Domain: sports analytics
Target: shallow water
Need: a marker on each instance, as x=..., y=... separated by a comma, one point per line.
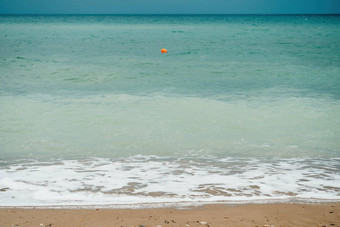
x=235, y=97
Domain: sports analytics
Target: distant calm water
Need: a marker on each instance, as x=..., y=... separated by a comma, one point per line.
x=241, y=108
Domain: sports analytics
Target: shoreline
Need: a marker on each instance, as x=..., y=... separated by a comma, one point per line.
x=262, y=215
x=176, y=205
x=145, y=180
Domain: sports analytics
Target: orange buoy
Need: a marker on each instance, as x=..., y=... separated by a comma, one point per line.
x=164, y=51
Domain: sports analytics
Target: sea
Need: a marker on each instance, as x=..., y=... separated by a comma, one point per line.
x=241, y=109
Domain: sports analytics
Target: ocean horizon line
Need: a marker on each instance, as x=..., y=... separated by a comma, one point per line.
x=168, y=14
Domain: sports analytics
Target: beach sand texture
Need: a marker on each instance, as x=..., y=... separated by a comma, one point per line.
x=262, y=215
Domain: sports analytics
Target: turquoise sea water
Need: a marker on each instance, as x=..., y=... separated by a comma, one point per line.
x=241, y=108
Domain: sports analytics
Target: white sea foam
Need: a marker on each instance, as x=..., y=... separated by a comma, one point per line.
x=152, y=179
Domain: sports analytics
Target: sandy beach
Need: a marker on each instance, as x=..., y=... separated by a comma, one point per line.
x=262, y=215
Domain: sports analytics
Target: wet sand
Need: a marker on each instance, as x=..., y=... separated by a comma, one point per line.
x=261, y=215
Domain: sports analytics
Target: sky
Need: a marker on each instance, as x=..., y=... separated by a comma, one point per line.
x=169, y=6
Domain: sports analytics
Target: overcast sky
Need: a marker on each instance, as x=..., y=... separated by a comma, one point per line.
x=169, y=6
